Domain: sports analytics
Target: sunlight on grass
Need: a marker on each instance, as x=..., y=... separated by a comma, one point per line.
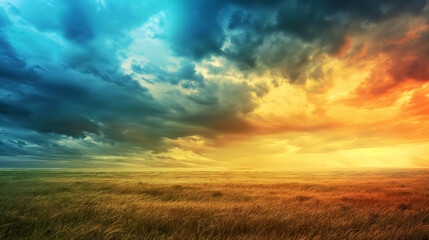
x=65, y=204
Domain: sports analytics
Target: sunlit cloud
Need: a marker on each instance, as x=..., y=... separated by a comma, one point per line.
x=192, y=84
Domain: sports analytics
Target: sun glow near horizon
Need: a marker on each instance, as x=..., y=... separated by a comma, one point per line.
x=219, y=84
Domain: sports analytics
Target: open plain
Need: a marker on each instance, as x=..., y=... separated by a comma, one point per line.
x=73, y=204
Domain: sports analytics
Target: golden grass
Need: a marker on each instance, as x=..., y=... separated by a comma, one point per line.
x=65, y=204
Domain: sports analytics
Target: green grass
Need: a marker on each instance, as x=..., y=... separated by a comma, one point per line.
x=66, y=204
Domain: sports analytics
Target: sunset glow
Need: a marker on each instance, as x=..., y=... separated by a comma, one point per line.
x=214, y=84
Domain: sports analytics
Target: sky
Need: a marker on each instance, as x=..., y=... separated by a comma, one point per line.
x=259, y=84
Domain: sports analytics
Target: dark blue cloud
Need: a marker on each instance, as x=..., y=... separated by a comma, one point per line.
x=77, y=21
x=197, y=29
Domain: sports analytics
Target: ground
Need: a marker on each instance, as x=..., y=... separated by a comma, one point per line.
x=84, y=204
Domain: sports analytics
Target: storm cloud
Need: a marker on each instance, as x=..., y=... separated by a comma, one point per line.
x=81, y=79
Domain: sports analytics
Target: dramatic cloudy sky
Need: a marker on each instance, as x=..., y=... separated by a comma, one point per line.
x=214, y=83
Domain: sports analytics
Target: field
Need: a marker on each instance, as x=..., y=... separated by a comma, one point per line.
x=71, y=204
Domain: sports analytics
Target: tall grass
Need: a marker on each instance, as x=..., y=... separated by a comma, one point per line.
x=60, y=204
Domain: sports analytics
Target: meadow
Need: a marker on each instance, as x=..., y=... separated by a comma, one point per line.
x=74, y=204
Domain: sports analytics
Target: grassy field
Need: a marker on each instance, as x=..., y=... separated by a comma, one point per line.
x=67, y=204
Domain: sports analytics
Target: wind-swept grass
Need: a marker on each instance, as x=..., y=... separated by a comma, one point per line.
x=65, y=204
